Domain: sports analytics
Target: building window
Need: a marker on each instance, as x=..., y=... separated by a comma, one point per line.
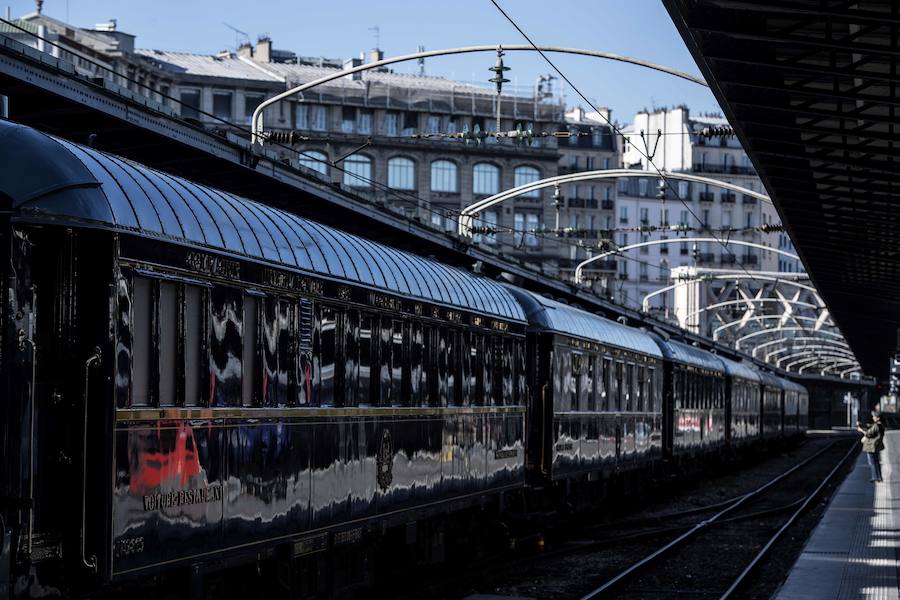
x=664, y=217
x=301, y=116
x=485, y=179
x=726, y=218
x=488, y=220
x=314, y=161
x=597, y=136
x=318, y=117
x=644, y=240
x=642, y=187
x=524, y=175
x=437, y=220
x=222, y=105
x=749, y=220
x=190, y=104
x=364, y=121
x=590, y=163
x=401, y=173
x=526, y=224
x=706, y=217
x=410, y=123
x=643, y=272
x=683, y=190
x=451, y=125
x=444, y=177
x=433, y=125
x=391, y=123
x=358, y=171
x=683, y=218
x=606, y=192
x=251, y=101
x=348, y=119
x=606, y=163
x=623, y=215
x=645, y=216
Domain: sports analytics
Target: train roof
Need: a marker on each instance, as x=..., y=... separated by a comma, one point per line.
x=771, y=379
x=549, y=315
x=51, y=179
x=793, y=385
x=739, y=369
x=690, y=355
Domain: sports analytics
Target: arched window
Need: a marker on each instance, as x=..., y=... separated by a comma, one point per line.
x=485, y=179
x=444, y=176
x=358, y=171
x=401, y=173
x=526, y=174
x=314, y=161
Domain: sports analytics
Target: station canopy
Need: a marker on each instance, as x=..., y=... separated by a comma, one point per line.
x=810, y=87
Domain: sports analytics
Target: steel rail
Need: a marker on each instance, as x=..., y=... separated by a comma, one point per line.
x=609, y=585
x=765, y=550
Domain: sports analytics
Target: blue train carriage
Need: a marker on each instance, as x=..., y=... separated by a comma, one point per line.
x=247, y=380
x=694, y=390
x=742, y=391
x=596, y=392
x=772, y=409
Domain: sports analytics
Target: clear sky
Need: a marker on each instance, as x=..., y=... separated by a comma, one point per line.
x=638, y=28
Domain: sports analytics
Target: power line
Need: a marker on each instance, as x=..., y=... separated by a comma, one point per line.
x=659, y=172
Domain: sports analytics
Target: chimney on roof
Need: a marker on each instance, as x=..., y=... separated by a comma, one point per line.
x=263, y=49
x=245, y=50
x=375, y=55
x=39, y=4
x=354, y=62
x=109, y=26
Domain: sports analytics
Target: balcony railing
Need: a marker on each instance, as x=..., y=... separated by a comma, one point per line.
x=707, y=196
x=728, y=259
x=583, y=202
x=729, y=170
x=749, y=259
x=706, y=257
x=607, y=204
x=745, y=199
x=729, y=197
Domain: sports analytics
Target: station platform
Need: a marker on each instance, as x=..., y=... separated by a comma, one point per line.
x=853, y=552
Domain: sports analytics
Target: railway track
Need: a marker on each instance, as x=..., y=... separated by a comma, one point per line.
x=715, y=556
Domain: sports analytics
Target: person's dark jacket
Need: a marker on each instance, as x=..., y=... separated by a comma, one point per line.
x=873, y=438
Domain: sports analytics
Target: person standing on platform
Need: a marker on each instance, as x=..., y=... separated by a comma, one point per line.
x=873, y=444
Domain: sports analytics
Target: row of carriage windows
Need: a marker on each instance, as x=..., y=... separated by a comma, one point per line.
x=592, y=383
x=697, y=390
x=181, y=344
x=358, y=172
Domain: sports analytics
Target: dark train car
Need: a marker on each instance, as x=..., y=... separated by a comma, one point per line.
x=192, y=377
x=596, y=392
x=694, y=405
x=772, y=408
x=742, y=393
x=795, y=408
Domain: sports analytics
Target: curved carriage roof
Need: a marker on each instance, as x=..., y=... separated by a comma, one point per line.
x=739, y=369
x=549, y=315
x=771, y=379
x=690, y=355
x=52, y=179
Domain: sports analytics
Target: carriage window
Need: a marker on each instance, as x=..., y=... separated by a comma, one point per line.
x=520, y=373
x=652, y=401
x=487, y=374
x=640, y=401
x=327, y=352
x=141, y=313
x=270, y=347
x=397, y=363
x=575, y=389
x=251, y=329
x=508, y=382
x=429, y=381
x=167, y=332
x=193, y=334
x=364, y=394
x=476, y=369
x=416, y=341
x=305, y=375
x=225, y=349
x=351, y=358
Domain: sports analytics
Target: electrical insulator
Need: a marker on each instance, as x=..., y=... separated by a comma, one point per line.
x=498, y=70
x=718, y=130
